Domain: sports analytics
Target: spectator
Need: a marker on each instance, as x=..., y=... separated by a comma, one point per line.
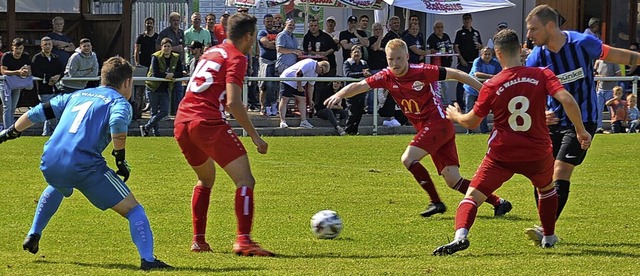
x=15, y=66
x=330, y=28
x=46, y=65
x=389, y=108
x=594, y=27
x=210, y=23
x=173, y=32
x=466, y=45
x=220, y=29
x=618, y=108
x=352, y=36
x=604, y=88
x=277, y=23
x=62, y=44
x=415, y=43
x=319, y=43
x=332, y=113
x=72, y=158
x=439, y=41
x=363, y=24
x=355, y=67
x=145, y=44
x=286, y=47
x=413, y=19
x=196, y=32
x=195, y=49
x=634, y=115
x=394, y=30
x=168, y=65
x=483, y=68
x=377, y=61
x=307, y=68
x=501, y=26
x=83, y=63
x=267, y=60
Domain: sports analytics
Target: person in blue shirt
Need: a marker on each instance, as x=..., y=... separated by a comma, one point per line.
x=72, y=158
x=570, y=55
x=483, y=68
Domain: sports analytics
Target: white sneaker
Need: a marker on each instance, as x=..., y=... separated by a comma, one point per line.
x=549, y=241
x=274, y=109
x=283, y=124
x=341, y=131
x=267, y=111
x=386, y=123
x=306, y=124
x=534, y=234
x=394, y=123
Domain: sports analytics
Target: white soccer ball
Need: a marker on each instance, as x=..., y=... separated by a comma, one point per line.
x=326, y=224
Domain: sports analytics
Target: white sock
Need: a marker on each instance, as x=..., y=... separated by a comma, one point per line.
x=461, y=234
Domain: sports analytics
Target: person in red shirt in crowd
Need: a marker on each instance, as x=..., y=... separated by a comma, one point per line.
x=520, y=141
x=205, y=138
x=408, y=84
x=220, y=29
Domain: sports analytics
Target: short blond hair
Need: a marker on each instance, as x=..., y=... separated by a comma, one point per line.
x=631, y=97
x=618, y=88
x=325, y=65
x=396, y=44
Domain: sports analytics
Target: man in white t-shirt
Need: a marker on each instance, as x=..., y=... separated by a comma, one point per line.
x=308, y=68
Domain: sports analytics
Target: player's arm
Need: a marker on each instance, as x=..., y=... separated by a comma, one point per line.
x=348, y=91
x=237, y=109
x=463, y=78
x=572, y=110
x=469, y=120
x=619, y=55
x=119, y=120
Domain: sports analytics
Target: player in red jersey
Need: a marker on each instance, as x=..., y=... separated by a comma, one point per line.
x=408, y=84
x=205, y=137
x=520, y=140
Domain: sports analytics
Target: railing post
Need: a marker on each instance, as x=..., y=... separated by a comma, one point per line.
x=245, y=101
x=634, y=85
x=375, y=111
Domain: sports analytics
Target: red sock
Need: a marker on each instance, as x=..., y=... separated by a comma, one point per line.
x=493, y=200
x=466, y=214
x=463, y=185
x=422, y=176
x=244, y=211
x=547, y=208
x=199, y=210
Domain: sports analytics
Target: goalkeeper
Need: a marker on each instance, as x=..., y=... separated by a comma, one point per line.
x=72, y=158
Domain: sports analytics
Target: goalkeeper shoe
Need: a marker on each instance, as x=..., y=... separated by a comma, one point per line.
x=31, y=243
x=156, y=264
x=452, y=247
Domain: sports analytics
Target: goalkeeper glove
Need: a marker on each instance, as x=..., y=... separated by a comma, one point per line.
x=9, y=134
x=124, y=169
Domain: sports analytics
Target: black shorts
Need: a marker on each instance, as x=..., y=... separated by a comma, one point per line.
x=566, y=147
x=288, y=91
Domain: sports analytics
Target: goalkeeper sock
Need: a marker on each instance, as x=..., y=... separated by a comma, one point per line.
x=141, y=232
x=48, y=204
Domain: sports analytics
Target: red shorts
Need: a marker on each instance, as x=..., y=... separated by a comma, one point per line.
x=439, y=140
x=201, y=140
x=492, y=173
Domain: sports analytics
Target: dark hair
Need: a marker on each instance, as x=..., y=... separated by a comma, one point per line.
x=17, y=42
x=166, y=40
x=239, y=25
x=115, y=71
x=507, y=42
x=150, y=18
x=85, y=40
x=544, y=13
x=364, y=16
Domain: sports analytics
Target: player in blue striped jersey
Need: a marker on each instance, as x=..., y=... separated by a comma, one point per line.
x=72, y=158
x=571, y=56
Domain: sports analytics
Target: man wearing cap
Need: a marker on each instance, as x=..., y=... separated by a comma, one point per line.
x=330, y=28
x=220, y=29
x=195, y=50
x=594, y=27
x=267, y=61
x=501, y=26
x=196, y=33
x=467, y=46
x=352, y=36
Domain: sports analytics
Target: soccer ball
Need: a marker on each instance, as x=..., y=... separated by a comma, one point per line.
x=326, y=224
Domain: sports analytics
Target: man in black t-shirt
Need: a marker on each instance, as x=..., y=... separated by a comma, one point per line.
x=352, y=36
x=145, y=44
x=317, y=42
x=439, y=41
x=467, y=45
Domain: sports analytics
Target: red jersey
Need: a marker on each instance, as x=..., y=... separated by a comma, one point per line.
x=518, y=98
x=219, y=32
x=206, y=96
x=413, y=93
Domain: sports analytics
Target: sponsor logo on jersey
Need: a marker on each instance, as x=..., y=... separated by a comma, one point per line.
x=571, y=76
x=418, y=85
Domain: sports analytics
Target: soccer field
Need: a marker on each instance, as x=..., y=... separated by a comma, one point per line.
x=361, y=178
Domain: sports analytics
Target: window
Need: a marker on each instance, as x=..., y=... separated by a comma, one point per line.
x=44, y=6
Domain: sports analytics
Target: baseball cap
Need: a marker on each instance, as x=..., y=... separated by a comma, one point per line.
x=195, y=45
x=594, y=20
x=226, y=13
x=503, y=25
x=466, y=15
x=331, y=18
x=352, y=19
x=267, y=15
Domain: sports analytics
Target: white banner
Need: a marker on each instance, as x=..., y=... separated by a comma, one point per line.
x=450, y=6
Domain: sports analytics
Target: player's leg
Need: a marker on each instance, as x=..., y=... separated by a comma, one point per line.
x=411, y=160
x=48, y=204
x=105, y=190
x=489, y=177
x=204, y=167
